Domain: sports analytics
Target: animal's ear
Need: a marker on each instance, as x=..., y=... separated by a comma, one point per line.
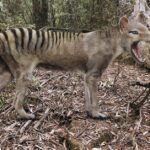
x=123, y=23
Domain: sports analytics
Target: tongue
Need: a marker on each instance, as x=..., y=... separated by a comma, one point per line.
x=138, y=54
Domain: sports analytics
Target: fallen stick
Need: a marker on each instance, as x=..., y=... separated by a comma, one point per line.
x=146, y=85
x=25, y=126
x=144, y=99
x=43, y=117
x=138, y=83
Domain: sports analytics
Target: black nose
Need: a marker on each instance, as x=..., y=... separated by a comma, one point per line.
x=148, y=26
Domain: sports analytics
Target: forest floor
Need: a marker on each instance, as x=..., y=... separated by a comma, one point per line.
x=57, y=99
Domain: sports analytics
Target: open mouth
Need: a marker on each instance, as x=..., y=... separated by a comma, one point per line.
x=136, y=52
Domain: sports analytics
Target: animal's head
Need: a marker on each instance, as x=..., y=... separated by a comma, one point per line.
x=132, y=33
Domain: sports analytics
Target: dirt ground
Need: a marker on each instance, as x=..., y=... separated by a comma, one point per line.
x=57, y=99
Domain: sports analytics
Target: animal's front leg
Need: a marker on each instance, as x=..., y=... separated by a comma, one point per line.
x=91, y=98
x=21, y=88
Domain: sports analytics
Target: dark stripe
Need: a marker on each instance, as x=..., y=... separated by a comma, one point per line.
x=2, y=51
x=43, y=39
x=30, y=37
x=78, y=34
x=9, y=49
x=63, y=35
x=108, y=34
x=67, y=35
x=55, y=37
x=48, y=41
x=37, y=40
x=6, y=37
x=52, y=36
x=70, y=35
x=22, y=37
x=16, y=37
x=59, y=38
x=74, y=34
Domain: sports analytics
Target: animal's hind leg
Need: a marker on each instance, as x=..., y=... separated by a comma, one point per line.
x=21, y=88
x=5, y=74
x=5, y=78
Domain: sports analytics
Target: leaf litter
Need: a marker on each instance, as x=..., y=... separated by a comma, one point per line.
x=57, y=99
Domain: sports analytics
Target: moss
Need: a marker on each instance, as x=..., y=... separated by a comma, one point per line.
x=2, y=101
x=105, y=136
x=72, y=144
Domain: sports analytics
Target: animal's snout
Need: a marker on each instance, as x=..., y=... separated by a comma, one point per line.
x=148, y=26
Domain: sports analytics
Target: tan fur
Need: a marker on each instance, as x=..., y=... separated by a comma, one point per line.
x=89, y=52
x=5, y=75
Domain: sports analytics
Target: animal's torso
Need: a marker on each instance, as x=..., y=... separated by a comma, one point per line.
x=61, y=49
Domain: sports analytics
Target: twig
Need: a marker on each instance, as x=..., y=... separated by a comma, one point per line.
x=10, y=128
x=80, y=133
x=138, y=105
x=144, y=99
x=146, y=85
x=139, y=96
x=25, y=126
x=28, y=122
x=43, y=117
x=116, y=76
x=9, y=109
x=128, y=106
x=138, y=124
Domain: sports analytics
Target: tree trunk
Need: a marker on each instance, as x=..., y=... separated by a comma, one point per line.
x=52, y=14
x=70, y=17
x=92, y=13
x=40, y=13
x=148, y=2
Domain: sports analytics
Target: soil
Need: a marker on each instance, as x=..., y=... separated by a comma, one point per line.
x=57, y=99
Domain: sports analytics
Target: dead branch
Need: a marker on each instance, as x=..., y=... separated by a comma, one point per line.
x=43, y=117
x=80, y=133
x=139, y=96
x=136, y=106
x=144, y=99
x=138, y=83
x=25, y=126
x=146, y=85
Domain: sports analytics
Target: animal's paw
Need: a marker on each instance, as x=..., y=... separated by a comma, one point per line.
x=27, y=116
x=31, y=116
x=98, y=115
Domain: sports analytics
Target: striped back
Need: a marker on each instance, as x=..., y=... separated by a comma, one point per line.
x=26, y=40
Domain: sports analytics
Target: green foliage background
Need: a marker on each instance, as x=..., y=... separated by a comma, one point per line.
x=74, y=14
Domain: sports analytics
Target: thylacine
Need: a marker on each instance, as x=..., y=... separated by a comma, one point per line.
x=23, y=49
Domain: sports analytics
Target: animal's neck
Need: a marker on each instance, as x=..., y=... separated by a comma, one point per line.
x=110, y=33
x=114, y=38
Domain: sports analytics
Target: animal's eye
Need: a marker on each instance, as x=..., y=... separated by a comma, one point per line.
x=134, y=32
